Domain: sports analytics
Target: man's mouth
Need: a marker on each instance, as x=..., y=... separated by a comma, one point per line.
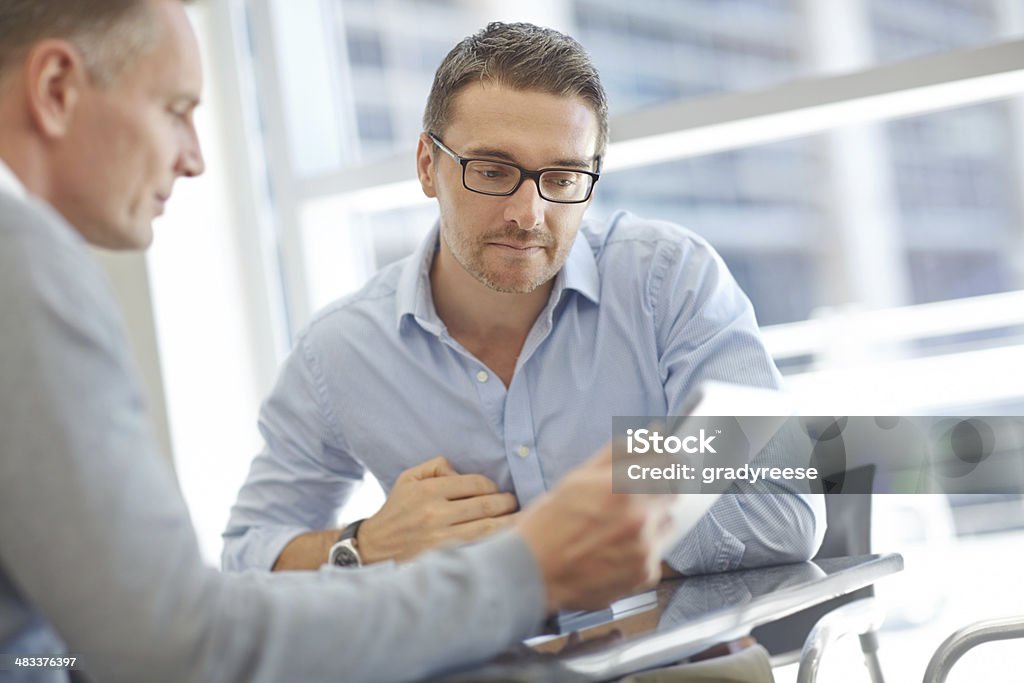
x=525, y=248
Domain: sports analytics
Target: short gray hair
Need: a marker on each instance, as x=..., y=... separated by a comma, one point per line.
x=108, y=33
x=523, y=57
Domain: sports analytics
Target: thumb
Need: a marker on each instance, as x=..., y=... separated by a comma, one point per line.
x=435, y=467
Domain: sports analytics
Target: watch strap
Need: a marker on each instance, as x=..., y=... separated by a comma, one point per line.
x=350, y=531
x=345, y=551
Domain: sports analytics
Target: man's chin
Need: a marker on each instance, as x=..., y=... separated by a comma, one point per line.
x=504, y=284
x=136, y=238
x=144, y=242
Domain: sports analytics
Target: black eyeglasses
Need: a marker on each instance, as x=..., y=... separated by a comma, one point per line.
x=501, y=179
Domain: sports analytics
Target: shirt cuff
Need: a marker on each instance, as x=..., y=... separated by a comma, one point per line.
x=257, y=547
x=708, y=548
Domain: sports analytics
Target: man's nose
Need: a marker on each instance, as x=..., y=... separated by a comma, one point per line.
x=525, y=206
x=190, y=161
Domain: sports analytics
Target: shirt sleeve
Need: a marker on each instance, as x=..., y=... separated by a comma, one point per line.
x=302, y=476
x=96, y=539
x=706, y=330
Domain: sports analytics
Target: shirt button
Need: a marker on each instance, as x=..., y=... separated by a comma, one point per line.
x=481, y=377
x=524, y=451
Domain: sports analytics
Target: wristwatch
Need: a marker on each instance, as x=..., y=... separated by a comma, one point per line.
x=345, y=552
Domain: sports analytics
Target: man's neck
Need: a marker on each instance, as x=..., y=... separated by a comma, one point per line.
x=469, y=307
x=24, y=160
x=491, y=325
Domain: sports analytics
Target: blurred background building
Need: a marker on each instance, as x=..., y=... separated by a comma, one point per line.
x=949, y=191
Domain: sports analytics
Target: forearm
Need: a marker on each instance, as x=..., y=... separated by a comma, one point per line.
x=391, y=623
x=306, y=551
x=140, y=606
x=775, y=528
x=758, y=524
x=744, y=530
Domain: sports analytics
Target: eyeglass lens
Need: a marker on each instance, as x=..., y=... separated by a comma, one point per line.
x=492, y=177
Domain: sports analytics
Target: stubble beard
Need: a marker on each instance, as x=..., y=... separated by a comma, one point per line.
x=469, y=255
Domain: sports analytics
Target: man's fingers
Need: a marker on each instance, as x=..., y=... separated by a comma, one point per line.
x=435, y=467
x=481, y=507
x=463, y=486
x=470, y=531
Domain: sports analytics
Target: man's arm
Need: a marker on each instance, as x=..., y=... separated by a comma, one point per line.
x=430, y=504
x=96, y=537
x=284, y=516
x=299, y=480
x=307, y=551
x=706, y=330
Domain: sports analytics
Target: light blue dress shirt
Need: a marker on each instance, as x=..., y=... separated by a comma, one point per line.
x=641, y=314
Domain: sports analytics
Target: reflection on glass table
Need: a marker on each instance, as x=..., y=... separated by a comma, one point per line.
x=690, y=616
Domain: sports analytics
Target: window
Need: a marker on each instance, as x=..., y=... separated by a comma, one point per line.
x=375, y=124
x=364, y=48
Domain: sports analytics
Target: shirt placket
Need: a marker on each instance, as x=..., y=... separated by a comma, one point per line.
x=520, y=442
x=522, y=451
x=512, y=409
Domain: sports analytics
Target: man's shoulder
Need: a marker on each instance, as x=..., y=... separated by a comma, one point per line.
x=376, y=298
x=31, y=220
x=37, y=245
x=626, y=237
x=52, y=288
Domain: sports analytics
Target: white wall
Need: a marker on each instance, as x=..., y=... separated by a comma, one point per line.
x=130, y=280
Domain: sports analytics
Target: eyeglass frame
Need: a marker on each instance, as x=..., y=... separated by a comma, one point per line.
x=523, y=174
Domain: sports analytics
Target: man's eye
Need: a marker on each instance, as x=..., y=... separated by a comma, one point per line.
x=182, y=112
x=561, y=180
x=492, y=173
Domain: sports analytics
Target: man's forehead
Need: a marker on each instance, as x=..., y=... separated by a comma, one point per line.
x=171, y=64
x=494, y=120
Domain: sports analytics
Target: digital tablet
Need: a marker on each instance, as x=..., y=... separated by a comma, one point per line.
x=765, y=412
x=724, y=427
x=713, y=410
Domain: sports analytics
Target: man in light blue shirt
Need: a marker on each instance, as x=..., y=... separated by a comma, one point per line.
x=505, y=344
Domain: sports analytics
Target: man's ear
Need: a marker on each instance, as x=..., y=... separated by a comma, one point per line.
x=55, y=75
x=425, y=165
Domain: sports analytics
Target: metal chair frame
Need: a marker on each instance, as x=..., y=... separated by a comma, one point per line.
x=966, y=639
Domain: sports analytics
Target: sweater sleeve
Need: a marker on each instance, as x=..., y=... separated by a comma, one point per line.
x=96, y=540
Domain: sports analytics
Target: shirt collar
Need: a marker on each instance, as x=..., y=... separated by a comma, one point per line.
x=9, y=182
x=413, y=295
x=580, y=269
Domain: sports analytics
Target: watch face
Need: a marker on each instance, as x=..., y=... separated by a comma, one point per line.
x=344, y=556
